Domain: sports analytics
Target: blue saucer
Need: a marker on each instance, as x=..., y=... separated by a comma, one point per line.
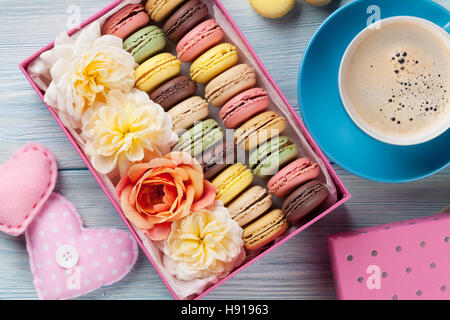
x=325, y=116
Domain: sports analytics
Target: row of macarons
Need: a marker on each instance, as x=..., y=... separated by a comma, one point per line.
x=231, y=86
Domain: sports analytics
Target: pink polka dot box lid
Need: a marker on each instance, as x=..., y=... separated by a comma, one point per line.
x=406, y=260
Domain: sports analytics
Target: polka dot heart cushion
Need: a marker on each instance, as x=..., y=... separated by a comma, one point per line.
x=68, y=260
x=406, y=260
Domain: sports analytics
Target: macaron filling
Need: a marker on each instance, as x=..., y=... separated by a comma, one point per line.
x=203, y=135
x=241, y=77
x=139, y=9
x=159, y=65
x=185, y=17
x=273, y=118
x=230, y=181
x=213, y=61
x=180, y=86
x=204, y=33
x=142, y=41
x=217, y=159
x=192, y=110
x=259, y=234
x=271, y=152
x=305, y=167
x=255, y=202
x=303, y=197
x=236, y=108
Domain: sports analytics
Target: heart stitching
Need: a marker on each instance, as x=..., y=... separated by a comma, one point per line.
x=94, y=257
x=26, y=182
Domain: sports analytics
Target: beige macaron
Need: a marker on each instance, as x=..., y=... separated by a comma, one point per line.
x=230, y=83
x=259, y=129
x=264, y=230
x=186, y=113
x=250, y=205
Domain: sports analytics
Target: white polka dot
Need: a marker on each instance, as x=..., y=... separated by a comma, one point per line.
x=110, y=259
x=49, y=262
x=45, y=248
x=119, y=241
x=86, y=237
x=95, y=264
x=100, y=277
x=66, y=213
x=38, y=265
x=124, y=254
x=55, y=229
x=44, y=293
x=68, y=226
x=86, y=282
x=58, y=290
x=51, y=215
x=72, y=240
x=99, y=234
x=90, y=250
x=112, y=230
x=105, y=246
x=42, y=233
x=58, y=243
x=114, y=272
x=41, y=280
x=53, y=276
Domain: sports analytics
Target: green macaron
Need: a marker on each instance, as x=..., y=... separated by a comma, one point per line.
x=145, y=43
x=268, y=158
x=199, y=138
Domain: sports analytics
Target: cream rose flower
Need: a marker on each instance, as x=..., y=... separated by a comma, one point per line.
x=204, y=245
x=125, y=129
x=84, y=71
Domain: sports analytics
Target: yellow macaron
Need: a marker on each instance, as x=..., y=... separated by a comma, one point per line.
x=156, y=71
x=160, y=9
x=272, y=8
x=213, y=62
x=231, y=182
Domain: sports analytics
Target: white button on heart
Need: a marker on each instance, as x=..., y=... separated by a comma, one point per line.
x=67, y=256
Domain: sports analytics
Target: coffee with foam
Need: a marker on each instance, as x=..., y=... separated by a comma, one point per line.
x=395, y=83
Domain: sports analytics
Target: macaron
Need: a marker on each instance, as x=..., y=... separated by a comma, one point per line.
x=217, y=158
x=250, y=205
x=318, y=3
x=126, y=21
x=145, y=43
x=259, y=129
x=231, y=182
x=272, y=9
x=304, y=200
x=244, y=106
x=187, y=113
x=200, y=137
x=174, y=91
x=292, y=176
x=228, y=84
x=184, y=19
x=213, y=62
x=264, y=230
x=156, y=70
x=269, y=157
x=161, y=9
x=206, y=35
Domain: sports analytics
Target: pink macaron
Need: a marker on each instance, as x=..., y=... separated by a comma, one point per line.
x=244, y=106
x=292, y=176
x=198, y=40
x=125, y=21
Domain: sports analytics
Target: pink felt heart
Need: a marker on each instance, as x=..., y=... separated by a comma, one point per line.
x=68, y=260
x=26, y=181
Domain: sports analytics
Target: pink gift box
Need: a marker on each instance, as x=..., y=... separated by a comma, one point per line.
x=406, y=260
x=342, y=193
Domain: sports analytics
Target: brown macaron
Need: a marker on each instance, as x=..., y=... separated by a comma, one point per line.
x=174, y=91
x=184, y=19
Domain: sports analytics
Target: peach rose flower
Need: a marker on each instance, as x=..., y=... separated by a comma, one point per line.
x=157, y=193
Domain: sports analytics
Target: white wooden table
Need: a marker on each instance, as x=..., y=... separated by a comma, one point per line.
x=297, y=270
